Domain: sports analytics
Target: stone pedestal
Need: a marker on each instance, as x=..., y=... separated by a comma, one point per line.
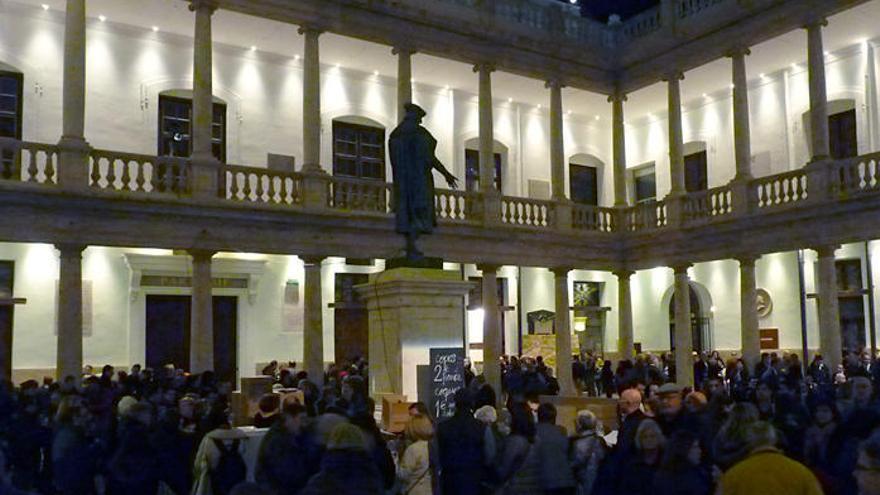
x=411, y=311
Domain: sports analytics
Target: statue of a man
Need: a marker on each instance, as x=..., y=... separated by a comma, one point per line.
x=411, y=148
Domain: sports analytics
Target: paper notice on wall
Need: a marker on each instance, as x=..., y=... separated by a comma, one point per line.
x=292, y=310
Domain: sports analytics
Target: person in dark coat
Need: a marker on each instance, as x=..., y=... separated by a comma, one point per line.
x=73, y=468
x=680, y=472
x=461, y=442
x=346, y=467
x=134, y=469
x=556, y=475
x=282, y=461
x=637, y=475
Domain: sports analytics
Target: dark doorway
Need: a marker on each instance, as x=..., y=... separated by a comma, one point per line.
x=696, y=173
x=472, y=170
x=167, y=328
x=7, y=276
x=350, y=318
x=168, y=333
x=584, y=188
x=842, y=136
x=226, y=338
x=698, y=323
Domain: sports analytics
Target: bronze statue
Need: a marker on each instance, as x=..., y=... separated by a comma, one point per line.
x=411, y=148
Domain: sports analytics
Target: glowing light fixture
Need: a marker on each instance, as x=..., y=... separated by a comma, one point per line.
x=102, y=18
x=45, y=6
x=510, y=100
x=253, y=48
x=296, y=57
x=155, y=29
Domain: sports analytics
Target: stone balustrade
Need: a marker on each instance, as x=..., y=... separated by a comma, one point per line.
x=136, y=174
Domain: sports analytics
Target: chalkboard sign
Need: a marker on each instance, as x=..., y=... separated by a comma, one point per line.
x=447, y=376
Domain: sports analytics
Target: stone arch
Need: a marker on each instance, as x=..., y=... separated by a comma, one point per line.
x=702, y=315
x=588, y=160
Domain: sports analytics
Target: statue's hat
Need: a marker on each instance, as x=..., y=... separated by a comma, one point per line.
x=413, y=108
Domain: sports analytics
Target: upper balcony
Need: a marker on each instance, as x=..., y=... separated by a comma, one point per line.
x=542, y=38
x=126, y=199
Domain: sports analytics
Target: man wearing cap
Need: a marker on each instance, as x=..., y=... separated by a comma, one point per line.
x=411, y=148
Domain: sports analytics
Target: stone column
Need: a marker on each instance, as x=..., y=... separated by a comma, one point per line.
x=830, y=344
x=205, y=180
x=487, y=137
x=625, y=337
x=73, y=166
x=69, y=355
x=404, y=79
x=818, y=92
x=741, y=130
x=618, y=132
x=492, y=348
x=684, y=342
x=311, y=100
x=557, y=143
x=748, y=296
x=201, y=346
x=563, y=333
x=676, y=140
x=313, y=334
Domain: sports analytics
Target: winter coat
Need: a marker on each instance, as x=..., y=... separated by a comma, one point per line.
x=768, y=471
x=345, y=472
x=552, y=447
x=520, y=467
x=588, y=451
x=689, y=481
x=73, y=468
x=281, y=462
x=414, y=471
x=461, y=440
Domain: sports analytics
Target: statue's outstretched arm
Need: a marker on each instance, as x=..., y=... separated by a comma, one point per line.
x=450, y=179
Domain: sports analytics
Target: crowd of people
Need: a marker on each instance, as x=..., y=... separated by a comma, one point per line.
x=777, y=428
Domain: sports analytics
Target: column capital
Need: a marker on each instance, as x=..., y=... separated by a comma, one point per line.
x=673, y=75
x=209, y=6
x=617, y=97
x=403, y=49
x=747, y=259
x=815, y=22
x=484, y=66
x=826, y=251
x=198, y=254
x=681, y=268
x=561, y=271
x=554, y=83
x=623, y=273
x=311, y=260
x=738, y=51
x=488, y=267
x=309, y=29
x=70, y=249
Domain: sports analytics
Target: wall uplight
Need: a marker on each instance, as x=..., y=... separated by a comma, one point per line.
x=45, y=6
x=102, y=18
x=155, y=29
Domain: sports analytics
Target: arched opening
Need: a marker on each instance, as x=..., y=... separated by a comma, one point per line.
x=472, y=164
x=701, y=316
x=358, y=148
x=843, y=141
x=175, y=124
x=696, y=166
x=585, y=173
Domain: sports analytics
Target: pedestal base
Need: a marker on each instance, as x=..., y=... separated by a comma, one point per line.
x=411, y=310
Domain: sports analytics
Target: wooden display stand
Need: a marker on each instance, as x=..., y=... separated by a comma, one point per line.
x=567, y=408
x=395, y=412
x=244, y=402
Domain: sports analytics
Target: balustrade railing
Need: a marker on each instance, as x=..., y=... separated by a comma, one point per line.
x=359, y=195
x=23, y=161
x=598, y=219
x=687, y=8
x=260, y=185
x=781, y=189
x=455, y=206
x=856, y=175
x=646, y=216
x=527, y=212
x=705, y=206
x=132, y=172
x=643, y=24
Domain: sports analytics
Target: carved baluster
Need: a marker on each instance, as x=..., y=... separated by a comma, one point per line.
x=126, y=173
x=31, y=168
x=273, y=190
x=49, y=169
x=95, y=163
x=139, y=177
x=111, y=173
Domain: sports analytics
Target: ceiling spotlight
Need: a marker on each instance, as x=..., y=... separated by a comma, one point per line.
x=296, y=57
x=705, y=95
x=732, y=85
x=597, y=117
x=155, y=29
x=375, y=73
x=761, y=75
x=45, y=6
x=539, y=106
x=827, y=53
x=510, y=100
x=572, y=1
x=253, y=48
x=102, y=18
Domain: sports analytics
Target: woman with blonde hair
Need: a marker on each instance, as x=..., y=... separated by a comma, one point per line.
x=414, y=470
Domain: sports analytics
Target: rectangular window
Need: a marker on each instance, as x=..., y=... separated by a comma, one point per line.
x=175, y=128
x=644, y=184
x=843, y=139
x=472, y=170
x=583, y=184
x=696, y=174
x=10, y=119
x=358, y=151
